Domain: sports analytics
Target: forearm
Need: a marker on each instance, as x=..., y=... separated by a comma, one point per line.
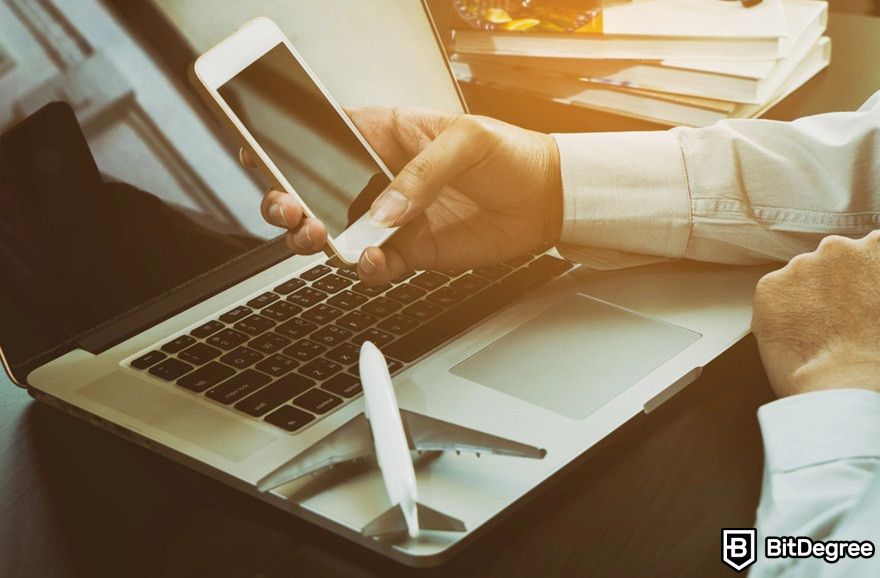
x=737, y=192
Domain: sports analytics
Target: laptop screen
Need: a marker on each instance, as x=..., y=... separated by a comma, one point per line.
x=133, y=196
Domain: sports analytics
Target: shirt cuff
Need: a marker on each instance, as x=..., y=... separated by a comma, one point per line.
x=625, y=191
x=821, y=426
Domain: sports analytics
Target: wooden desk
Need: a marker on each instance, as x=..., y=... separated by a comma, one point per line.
x=75, y=501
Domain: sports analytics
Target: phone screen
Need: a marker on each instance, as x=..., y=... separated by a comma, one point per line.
x=304, y=136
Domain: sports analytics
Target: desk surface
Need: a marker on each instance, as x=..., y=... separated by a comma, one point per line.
x=75, y=501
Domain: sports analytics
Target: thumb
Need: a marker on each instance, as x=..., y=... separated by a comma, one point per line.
x=419, y=182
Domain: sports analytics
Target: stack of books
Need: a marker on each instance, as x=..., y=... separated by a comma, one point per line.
x=673, y=62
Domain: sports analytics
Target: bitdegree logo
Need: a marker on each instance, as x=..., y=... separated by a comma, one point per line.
x=804, y=547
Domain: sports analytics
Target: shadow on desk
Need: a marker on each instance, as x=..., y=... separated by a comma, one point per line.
x=651, y=500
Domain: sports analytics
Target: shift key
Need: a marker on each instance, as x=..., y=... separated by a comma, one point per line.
x=239, y=386
x=271, y=396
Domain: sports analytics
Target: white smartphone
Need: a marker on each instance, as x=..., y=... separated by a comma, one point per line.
x=264, y=91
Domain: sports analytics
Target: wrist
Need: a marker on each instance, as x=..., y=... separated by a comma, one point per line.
x=838, y=369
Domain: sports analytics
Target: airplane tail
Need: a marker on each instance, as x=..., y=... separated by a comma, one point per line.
x=391, y=525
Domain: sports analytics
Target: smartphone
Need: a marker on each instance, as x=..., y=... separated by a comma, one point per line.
x=293, y=129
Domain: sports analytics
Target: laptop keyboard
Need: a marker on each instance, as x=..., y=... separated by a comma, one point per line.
x=289, y=355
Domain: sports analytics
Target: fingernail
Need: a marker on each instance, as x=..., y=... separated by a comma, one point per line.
x=366, y=264
x=388, y=208
x=302, y=238
x=276, y=215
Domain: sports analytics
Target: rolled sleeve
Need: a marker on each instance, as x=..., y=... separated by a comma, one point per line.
x=818, y=427
x=625, y=191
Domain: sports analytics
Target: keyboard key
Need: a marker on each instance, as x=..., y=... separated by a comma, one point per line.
x=171, y=369
x=199, y=354
x=274, y=394
x=255, y=324
x=148, y=359
x=429, y=280
x=542, y=270
x=317, y=401
x=446, y=297
x=451, y=322
x=379, y=338
x=398, y=324
x=320, y=369
x=405, y=293
x=346, y=354
x=494, y=272
x=238, y=386
x=178, y=343
x=381, y=307
x=268, y=342
x=356, y=321
x=331, y=283
x=306, y=297
x=393, y=365
x=518, y=261
x=368, y=290
x=296, y=328
x=331, y=335
x=347, y=300
x=349, y=274
x=304, y=350
x=422, y=310
x=209, y=328
x=343, y=384
x=469, y=283
x=205, y=377
x=315, y=272
x=261, y=301
x=236, y=314
x=322, y=314
x=276, y=365
x=290, y=286
x=289, y=418
x=227, y=339
x=241, y=357
x=280, y=311
x=403, y=276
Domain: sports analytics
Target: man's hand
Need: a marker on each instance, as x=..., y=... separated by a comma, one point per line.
x=817, y=320
x=469, y=191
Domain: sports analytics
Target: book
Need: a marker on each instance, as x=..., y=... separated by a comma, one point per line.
x=654, y=30
x=751, y=82
x=663, y=108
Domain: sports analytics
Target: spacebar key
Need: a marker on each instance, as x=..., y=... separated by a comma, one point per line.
x=452, y=322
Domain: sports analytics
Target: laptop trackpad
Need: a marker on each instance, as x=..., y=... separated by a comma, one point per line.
x=576, y=356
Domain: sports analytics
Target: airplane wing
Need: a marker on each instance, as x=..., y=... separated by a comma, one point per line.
x=351, y=441
x=430, y=434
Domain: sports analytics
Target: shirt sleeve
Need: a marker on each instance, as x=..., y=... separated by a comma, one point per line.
x=740, y=191
x=822, y=458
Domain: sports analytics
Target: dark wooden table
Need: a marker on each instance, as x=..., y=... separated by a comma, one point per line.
x=75, y=501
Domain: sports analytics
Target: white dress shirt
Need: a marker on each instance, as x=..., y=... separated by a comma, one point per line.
x=750, y=191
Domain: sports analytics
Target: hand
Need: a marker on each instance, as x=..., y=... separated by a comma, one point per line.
x=469, y=191
x=817, y=320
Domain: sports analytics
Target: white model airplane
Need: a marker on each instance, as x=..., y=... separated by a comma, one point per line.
x=390, y=435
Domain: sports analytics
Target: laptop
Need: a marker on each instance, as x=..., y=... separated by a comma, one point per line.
x=173, y=329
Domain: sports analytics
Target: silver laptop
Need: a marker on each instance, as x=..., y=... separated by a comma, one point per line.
x=169, y=309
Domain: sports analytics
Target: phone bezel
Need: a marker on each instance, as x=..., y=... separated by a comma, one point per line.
x=238, y=51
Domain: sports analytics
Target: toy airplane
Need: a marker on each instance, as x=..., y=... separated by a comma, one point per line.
x=389, y=434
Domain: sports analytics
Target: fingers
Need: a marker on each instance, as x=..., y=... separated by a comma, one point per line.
x=281, y=210
x=305, y=235
x=381, y=266
x=245, y=159
x=309, y=238
x=454, y=151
